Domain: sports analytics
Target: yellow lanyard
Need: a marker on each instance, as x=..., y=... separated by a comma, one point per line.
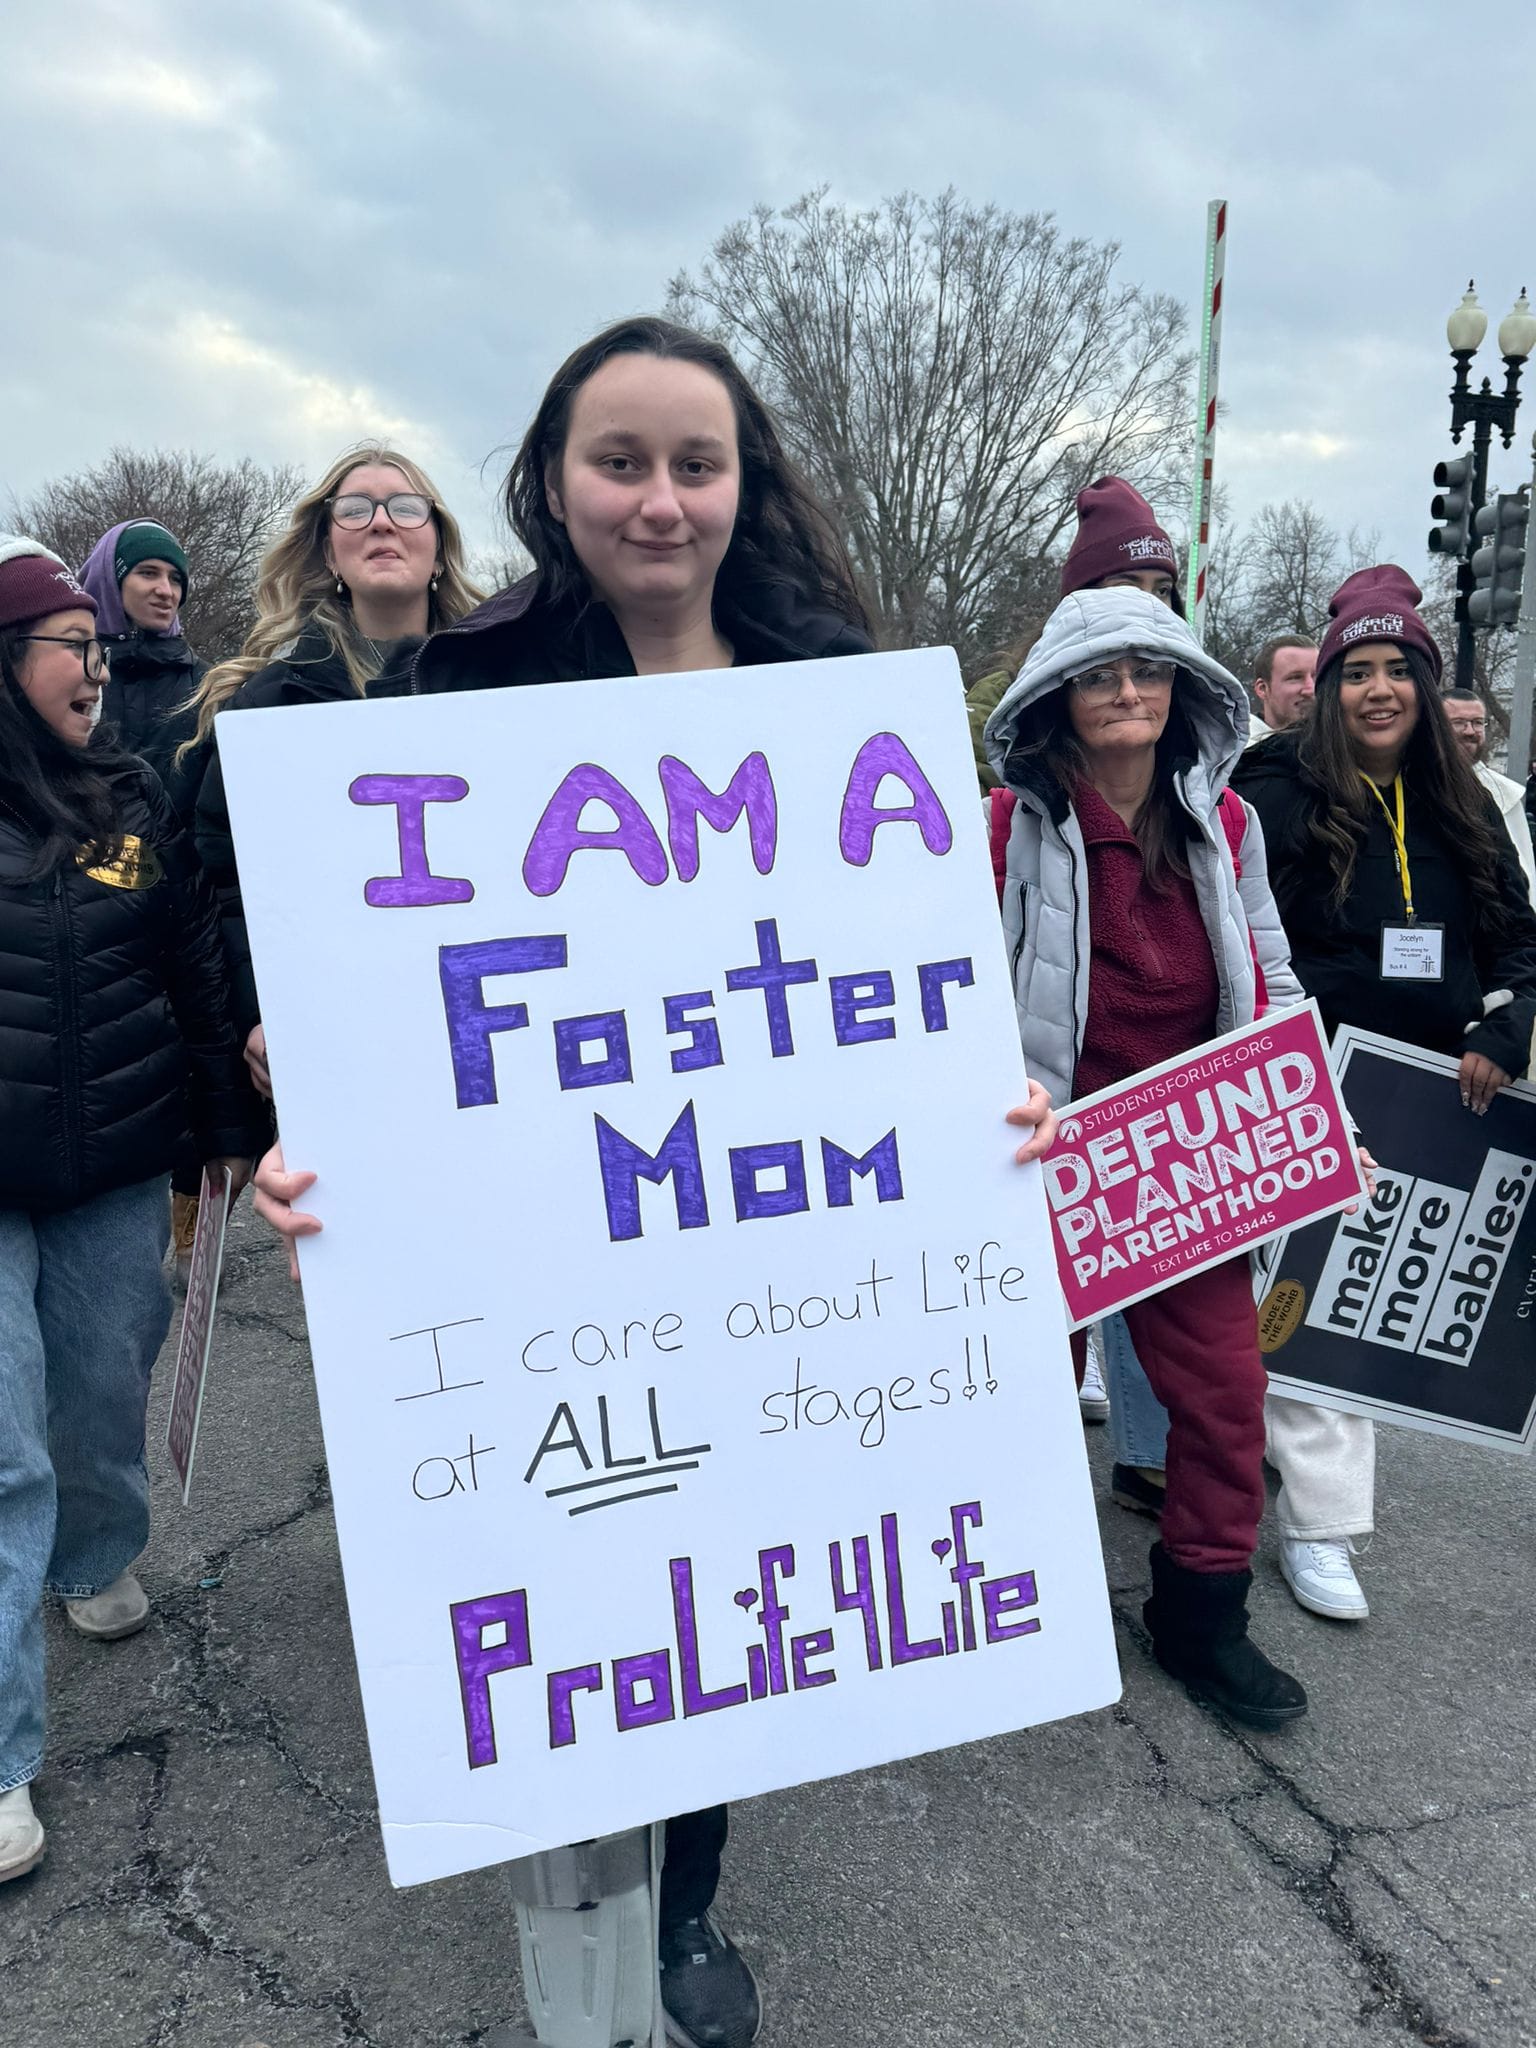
x=1399, y=841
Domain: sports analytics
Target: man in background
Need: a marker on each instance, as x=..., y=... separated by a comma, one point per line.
x=1282, y=685
x=1468, y=716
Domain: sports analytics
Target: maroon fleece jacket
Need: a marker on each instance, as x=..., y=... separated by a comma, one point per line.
x=1152, y=986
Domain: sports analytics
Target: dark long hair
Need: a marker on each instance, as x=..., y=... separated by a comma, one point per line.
x=782, y=534
x=1046, y=746
x=59, y=793
x=1434, y=769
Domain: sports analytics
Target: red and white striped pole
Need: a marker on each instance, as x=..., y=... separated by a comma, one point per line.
x=1205, y=416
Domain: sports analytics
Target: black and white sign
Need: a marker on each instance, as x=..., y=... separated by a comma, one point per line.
x=1421, y=1307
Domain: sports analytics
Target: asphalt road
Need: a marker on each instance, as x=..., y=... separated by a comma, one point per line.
x=1145, y=1875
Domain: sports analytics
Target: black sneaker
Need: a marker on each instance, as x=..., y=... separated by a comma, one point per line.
x=1130, y=1489
x=709, y=1995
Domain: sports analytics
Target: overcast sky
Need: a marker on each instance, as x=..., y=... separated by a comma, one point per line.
x=272, y=228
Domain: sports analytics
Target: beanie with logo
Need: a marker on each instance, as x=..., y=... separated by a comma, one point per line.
x=35, y=582
x=1117, y=534
x=1376, y=604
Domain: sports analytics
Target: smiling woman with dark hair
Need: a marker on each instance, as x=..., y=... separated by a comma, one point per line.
x=669, y=532
x=1407, y=915
x=113, y=1025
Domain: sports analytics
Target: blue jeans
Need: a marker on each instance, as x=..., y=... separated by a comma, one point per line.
x=1138, y=1421
x=84, y=1308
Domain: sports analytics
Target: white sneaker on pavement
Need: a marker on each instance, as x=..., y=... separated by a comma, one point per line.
x=121, y=1609
x=21, y=1833
x=1093, y=1395
x=1323, y=1579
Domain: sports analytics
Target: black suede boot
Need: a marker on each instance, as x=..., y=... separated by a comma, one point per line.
x=1199, y=1624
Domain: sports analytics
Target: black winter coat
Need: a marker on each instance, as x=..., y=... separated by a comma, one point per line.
x=114, y=1024
x=310, y=674
x=513, y=639
x=143, y=702
x=1337, y=953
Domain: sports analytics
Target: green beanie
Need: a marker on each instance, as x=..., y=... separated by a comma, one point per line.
x=141, y=540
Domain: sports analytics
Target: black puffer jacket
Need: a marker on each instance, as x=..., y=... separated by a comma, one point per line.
x=310, y=674
x=1337, y=953
x=513, y=639
x=114, y=1024
x=144, y=704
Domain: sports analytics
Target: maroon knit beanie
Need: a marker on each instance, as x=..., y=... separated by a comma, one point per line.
x=1116, y=531
x=1376, y=604
x=34, y=582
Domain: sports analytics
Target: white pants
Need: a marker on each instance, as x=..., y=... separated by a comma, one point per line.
x=1327, y=1467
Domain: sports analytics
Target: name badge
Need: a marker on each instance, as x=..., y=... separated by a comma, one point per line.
x=1413, y=952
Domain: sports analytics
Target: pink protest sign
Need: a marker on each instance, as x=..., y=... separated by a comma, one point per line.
x=1205, y=1156
x=196, y=1343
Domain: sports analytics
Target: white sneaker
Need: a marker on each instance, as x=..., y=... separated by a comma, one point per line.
x=21, y=1833
x=120, y=1610
x=1323, y=1579
x=1093, y=1395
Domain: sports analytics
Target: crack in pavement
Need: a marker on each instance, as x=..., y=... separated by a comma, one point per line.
x=1320, y=1890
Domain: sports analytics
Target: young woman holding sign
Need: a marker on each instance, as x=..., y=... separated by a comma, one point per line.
x=113, y=1025
x=1407, y=914
x=371, y=562
x=1134, y=939
x=668, y=532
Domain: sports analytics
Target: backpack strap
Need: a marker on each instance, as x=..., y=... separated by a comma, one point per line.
x=1000, y=803
x=1234, y=822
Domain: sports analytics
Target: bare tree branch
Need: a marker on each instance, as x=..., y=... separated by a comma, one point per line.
x=950, y=376
x=224, y=515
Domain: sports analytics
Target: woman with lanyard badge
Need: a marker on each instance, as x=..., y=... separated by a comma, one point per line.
x=1407, y=915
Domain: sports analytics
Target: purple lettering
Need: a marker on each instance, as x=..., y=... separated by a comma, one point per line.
x=653, y=1670
x=479, y=1660
x=703, y=1047
x=695, y=1699
x=801, y=1650
x=853, y=993
x=963, y=1570
x=903, y=1649
x=773, y=974
x=750, y=789
x=558, y=834
x=887, y=754
x=838, y=1168
x=606, y=1028
x=860, y=1594
x=624, y=1165
x=472, y=1022
x=931, y=978
x=410, y=794
x=562, y=1687
x=1003, y=1597
x=753, y=1200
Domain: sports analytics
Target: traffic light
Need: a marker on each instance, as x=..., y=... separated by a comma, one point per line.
x=1453, y=505
x=1495, y=594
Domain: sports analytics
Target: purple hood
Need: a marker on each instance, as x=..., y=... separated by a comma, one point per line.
x=100, y=579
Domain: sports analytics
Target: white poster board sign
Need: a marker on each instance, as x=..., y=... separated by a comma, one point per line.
x=690, y=1354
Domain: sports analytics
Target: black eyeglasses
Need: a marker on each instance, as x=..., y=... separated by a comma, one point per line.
x=356, y=509
x=93, y=656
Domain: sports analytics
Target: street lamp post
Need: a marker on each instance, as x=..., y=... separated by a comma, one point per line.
x=1482, y=410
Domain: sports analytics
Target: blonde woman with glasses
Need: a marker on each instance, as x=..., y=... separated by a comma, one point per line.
x=372, y=562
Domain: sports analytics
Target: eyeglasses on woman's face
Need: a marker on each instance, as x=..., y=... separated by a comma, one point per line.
x=1103, y=683
x=355, y=509
x=93, y=656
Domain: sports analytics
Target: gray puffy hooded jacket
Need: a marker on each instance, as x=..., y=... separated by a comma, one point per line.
x=1045, y=897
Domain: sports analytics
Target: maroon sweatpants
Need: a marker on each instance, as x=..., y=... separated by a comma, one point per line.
x=1198, y=1343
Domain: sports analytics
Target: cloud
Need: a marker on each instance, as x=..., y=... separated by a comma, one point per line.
x=270, y=229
